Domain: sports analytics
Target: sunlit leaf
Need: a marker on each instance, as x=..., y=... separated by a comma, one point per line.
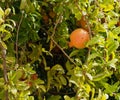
x=107, y=7
x=7, y=11
x=63, y=80
x=101, y=76
x=75, y=52
x=27, y=6
x=66, y=97
x=7, y=36
x=13, y=90
x=94, y=40
x=1, y=12
x=3, y=44
x=58, y=67
x=57, y=97
x=88, y=88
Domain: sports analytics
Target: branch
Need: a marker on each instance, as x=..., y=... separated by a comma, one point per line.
x=54, y=30
x=4, y=69
x=63, y=51
x=16, y=48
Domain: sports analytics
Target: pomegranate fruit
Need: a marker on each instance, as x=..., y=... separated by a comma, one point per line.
x=78, y=38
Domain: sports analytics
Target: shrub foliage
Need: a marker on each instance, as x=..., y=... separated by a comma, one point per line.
x=36, y=62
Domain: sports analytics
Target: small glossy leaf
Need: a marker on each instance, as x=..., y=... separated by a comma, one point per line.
x=66, y=97
x=116, y=31
x=1, y=12
x=7, y=36
x=57, y=97
x=22, y=86
x=87, y=88
x=58, y=67
x=78, y=72
x=107, y=7
x=94, y=40
x=3, y=44
x=89, y=76
x=27, y=6
x=63, y=80
x=7, y=11
x=114, y=45
x=112, y=63
x=101, y=76
x=7, y=26
x=75, y=52
x=93, y=56
x=13, y=90
x=17, y=75
x=1, y=21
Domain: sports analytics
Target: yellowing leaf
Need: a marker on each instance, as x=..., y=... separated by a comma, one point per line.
x=7, y=11
x=106, y=7
x=3, y=44
x=1, y=13
x=103, y=97
x=88, y=88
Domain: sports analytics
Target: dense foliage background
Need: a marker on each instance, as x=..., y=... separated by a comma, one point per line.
x=36, y=62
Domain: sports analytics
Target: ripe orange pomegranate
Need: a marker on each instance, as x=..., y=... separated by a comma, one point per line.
x=78, y=38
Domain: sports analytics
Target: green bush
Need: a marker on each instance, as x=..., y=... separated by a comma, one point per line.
x=36, y=62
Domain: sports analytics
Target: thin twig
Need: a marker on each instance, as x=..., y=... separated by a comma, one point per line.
x=3, y=54
x=54, y=30
x=63, y=51
x=16, y=48
x=57, y=22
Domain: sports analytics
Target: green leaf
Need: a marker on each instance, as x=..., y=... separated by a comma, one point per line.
x=3, y=44
x=7, y=36
x=7, y=26
x=74, y=80
x=17, y=75
x=116, y=30
x=112, y=63
x=107, y=7
x=1, y=13
x=7, y=11
x=24, y=94
x=57, y=97
x=1, y=21
x=73, y=53
x=2, y=92
x=22, y=86
x=10, y=59
x=94, y=40
x=75, y=11
x=66, y=97
x=112, y=23
x=50, y=77
x=27, y=6
x=68, y=66
x=63, y=80
x=57, y=67
x=13, y=90
x=114, y=45
x=93, y=56
x=111, y=88
x=101, y=76
x=78, y=72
